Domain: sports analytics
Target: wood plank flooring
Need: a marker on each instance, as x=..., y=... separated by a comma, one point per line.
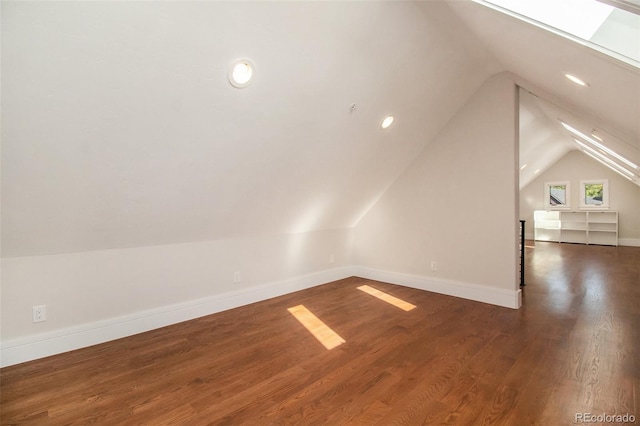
x=574, y=347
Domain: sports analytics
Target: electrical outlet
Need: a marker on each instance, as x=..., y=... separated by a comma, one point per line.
x=236, y=277
x=332, y=259
x=39, y=313
x=434, y=265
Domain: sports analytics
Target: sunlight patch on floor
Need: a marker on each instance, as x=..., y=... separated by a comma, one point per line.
x=399, y=303
x=325, y=335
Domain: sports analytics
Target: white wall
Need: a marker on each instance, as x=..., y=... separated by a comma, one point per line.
x=136, y=179
x=430, y=212
x=575, y=166
x=97, y=296
x=456, y=204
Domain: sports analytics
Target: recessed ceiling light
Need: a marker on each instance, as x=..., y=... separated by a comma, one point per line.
x=577, y=80
x=523, y=167
x=387, y=121
x=241, y=73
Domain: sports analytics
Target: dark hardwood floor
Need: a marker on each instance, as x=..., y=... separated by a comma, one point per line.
x=574, y=347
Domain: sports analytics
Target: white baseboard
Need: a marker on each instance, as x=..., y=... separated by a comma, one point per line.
x=632, y=242
x=51, y=343
x=495, y=296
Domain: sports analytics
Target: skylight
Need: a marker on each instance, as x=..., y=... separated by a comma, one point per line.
x=603, y=159
x=611, y=30
x=605, y=155
x=582, y=18
x=599, y=145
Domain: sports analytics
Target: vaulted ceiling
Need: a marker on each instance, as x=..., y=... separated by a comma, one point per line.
x=540, y=59
x=121, y=129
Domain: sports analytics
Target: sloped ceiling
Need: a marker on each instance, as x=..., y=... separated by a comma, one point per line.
x=542, y=142
x=542, y=152
x=120, y=128
x=541, y=58
x=610, y=105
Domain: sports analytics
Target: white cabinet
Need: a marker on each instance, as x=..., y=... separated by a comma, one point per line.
x=603, y=228
x=546, y=225
x=573, y=227
x=583, y=227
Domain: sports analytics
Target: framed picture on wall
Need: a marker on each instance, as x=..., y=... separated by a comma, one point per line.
x=557, y=195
